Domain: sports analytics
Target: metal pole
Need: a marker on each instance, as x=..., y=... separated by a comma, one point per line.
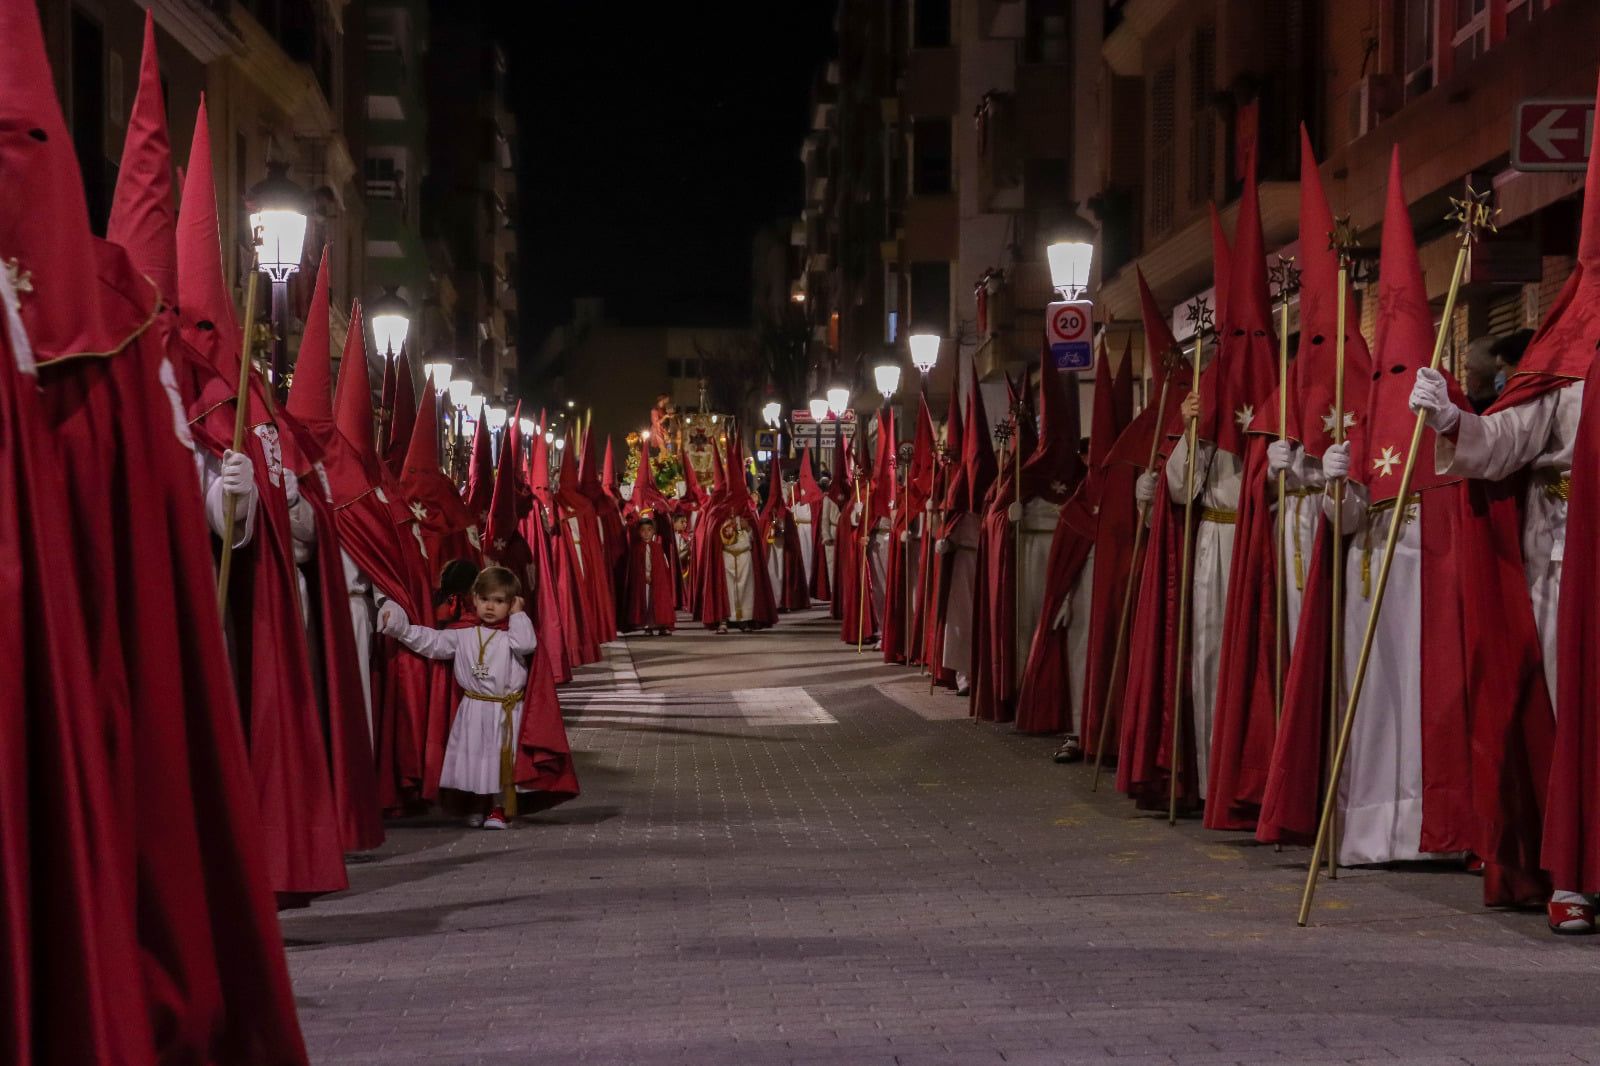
x=241, y=404
x=1192, y=439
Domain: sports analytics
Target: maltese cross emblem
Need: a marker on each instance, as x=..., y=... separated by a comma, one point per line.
x=1385, y=463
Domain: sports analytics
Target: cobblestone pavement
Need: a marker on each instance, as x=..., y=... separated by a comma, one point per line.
x=786, y=853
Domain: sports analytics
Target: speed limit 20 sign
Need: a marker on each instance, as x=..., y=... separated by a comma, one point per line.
x=1069, y=330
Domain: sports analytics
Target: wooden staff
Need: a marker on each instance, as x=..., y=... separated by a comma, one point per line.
x=1471, y=213
x=241, y=399
x=1284, y=277
x=1021, y=412
x=935, y=563
x=1343, y=241
x=1200, y=314
x=1121, y=645
x=866, y=539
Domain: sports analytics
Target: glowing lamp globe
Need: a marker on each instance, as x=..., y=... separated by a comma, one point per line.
x=460, y=392
x=441, y=374
x=771, y=412
x=839, y=399
x=924, y=351
x=475, y=404
x=496, y=417
x=526, y=425
x=1069, y=266
x=391, y=321
x=887, y=376
x=560, y=444
x=549, y=436
x=819, y=409
x=278, y=212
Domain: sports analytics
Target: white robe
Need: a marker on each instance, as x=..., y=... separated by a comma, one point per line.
x=1538, y=434
x=364, y=604
x=480, y=730
x=804, y=528
x=1039, y=520
x=830, y=537
x=1302, y=517
x=738, y=575
x=775, y=563
x=1380, y=791
x=959, y=597
x=1074, y=616
x=1218, y=491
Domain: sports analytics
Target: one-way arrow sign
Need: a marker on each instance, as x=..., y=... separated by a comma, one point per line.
x=1553, y=135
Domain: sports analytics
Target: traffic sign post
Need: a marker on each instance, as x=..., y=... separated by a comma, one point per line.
x=1552, y=135
x=1069, y=330
x=829, y=433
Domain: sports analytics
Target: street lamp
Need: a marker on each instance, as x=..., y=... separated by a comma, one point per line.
x=887, y=376
x=838, y=400
x=819, y=409
x=1071, y=255
x=441, y=373
x=391, y=320
x=924, y=353
x=278, y=210
x=772, y=412
x=475, y=404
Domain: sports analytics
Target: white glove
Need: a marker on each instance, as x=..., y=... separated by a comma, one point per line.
x=905, y=535
x=1336, y=461
x=1280, y=456
x=1014, y=512
x=855, y=515
x=1431, y=395
x=238, y=473
x=1144, y=490
x=291, y=487
x=392, y=620
x=941, y=546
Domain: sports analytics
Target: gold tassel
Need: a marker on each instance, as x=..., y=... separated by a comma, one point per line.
x=1366, y=565
x=508, y=763
x=1299, y=557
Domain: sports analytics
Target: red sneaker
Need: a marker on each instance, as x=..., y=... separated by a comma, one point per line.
x=496, y=819
x=1570, y=919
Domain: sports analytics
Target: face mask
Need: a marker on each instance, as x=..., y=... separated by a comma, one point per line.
x=1499, y=382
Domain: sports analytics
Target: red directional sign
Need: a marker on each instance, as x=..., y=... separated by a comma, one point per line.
x=1553, y=135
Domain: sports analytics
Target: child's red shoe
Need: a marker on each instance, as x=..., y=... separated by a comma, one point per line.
x=496, y=819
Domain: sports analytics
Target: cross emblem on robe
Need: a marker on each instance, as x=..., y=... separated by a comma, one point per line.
x=21, y=280
x=1244, y=416
x=499, y=544
x=418, y=511
x=1386, y=461
x=1331, y=416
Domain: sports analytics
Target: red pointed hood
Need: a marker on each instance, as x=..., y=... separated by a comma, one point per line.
x=738, y=489
x=1221, y=266
x=692, y=489
x=719, y=477
x=1244, y=373
x=883, y=464
x=1404, y=344
x=1122, y=389
x=919, y=479
x=403, y=418
x=588, y=472
x=1161, y=348
x=1568, y=338
x=311, y=389
x=809, y=491
x=422, y=449
x=44, y=222
x=480, y=470
x=421, y=480
x=203, y=296
x=646, y=498
x=608, y=474
x=977, y=448
x=539, y=468
x=1054, y=469
x=956, y=496
x=1312, y=376
x=386, y=394
x=142, y=217
x=775, y=506
x=1102, y=426
x=352, y=398
x=502, y=526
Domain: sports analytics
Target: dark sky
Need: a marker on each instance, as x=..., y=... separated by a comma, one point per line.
x=655, y=139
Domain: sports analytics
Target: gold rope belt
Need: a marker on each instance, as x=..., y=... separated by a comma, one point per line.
x=1373, y=511
x=1302, y=492
x=736, y=551
x=508, y=746
x=1557, y=488
x=1219, y=516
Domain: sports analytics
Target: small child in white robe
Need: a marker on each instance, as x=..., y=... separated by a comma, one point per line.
x=491, y=666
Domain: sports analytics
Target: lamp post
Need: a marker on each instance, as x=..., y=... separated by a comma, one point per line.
x=279, y=210
x=925, y=354
x=391, y=320
x=496, y=417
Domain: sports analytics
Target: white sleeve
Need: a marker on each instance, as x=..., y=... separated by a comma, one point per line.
x=216, y=499
x=1354, y=510
x=303, y=528
x=431, y=643
x=1496, y=446
x=1178, y=470
x=524, y=641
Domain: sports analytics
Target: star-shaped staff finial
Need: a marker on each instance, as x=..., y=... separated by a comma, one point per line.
x=1284, y=278
x=1198, y=314
x=1472, y=213
x=1342, y=239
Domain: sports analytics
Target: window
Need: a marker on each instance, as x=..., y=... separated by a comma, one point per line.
x=1202, y=124
x=1471, y=38
x=931, y=172
x=1047, y=33
x=930, y=297
x=1521, y=12
x=1416, y=33
x=1163, y=88
x=930, y=24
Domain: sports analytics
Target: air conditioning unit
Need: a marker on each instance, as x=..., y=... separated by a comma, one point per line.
x=1372, y=99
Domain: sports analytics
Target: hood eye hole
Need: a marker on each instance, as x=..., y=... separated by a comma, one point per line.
x=38, y=134
x=205, y=323
x=1261, y=333
x=1397, y=369
x=1238, y=333
x=1318, y=339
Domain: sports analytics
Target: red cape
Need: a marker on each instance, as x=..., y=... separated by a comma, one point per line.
x=661, y=610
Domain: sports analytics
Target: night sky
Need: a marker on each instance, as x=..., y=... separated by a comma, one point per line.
x=655, y=140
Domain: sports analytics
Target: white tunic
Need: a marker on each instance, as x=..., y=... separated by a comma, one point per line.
x=1074, y=616
x=830, y=535
x=1301, y=520
x=738, y=575
x=1039, y=520
x=1217, y=482
x=803, y=523
x=1538, y=434
x=959, y=598
x=488, y=662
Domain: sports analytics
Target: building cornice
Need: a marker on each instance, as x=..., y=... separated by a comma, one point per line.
x=1124, y=46
x=202, y=32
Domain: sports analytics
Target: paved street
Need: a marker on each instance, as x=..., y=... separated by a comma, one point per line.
x=786, y=853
